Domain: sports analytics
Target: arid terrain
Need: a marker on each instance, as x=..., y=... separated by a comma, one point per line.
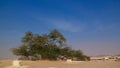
x=64, y=64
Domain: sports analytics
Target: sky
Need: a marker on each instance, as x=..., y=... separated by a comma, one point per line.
x=92, y=26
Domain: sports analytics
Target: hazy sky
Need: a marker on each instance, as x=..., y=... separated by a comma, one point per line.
x=90, y=25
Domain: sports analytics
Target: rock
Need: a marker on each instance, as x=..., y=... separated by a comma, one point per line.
x=16, y=64
x=69, y=60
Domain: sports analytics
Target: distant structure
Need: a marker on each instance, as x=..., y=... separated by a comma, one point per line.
x=113, y=58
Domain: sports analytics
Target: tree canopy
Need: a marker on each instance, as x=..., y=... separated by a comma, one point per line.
x=47, y=46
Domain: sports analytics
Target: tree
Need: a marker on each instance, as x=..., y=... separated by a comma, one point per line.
x=22, y=50
x=28, y=38
x=56, y=38
x=48, y=46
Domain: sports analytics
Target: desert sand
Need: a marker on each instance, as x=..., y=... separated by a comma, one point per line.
x=64, y=64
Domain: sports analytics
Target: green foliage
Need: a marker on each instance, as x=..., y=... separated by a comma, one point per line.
x=48, y=46
x=56, y=37
x=22, y=50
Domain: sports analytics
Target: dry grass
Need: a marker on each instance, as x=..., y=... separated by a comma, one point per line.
x=62, y=64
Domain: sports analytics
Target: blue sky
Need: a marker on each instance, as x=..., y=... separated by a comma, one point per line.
x=89, y=25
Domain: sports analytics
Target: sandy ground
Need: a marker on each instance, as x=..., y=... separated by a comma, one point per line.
x=63, y=64
x=4, y=63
